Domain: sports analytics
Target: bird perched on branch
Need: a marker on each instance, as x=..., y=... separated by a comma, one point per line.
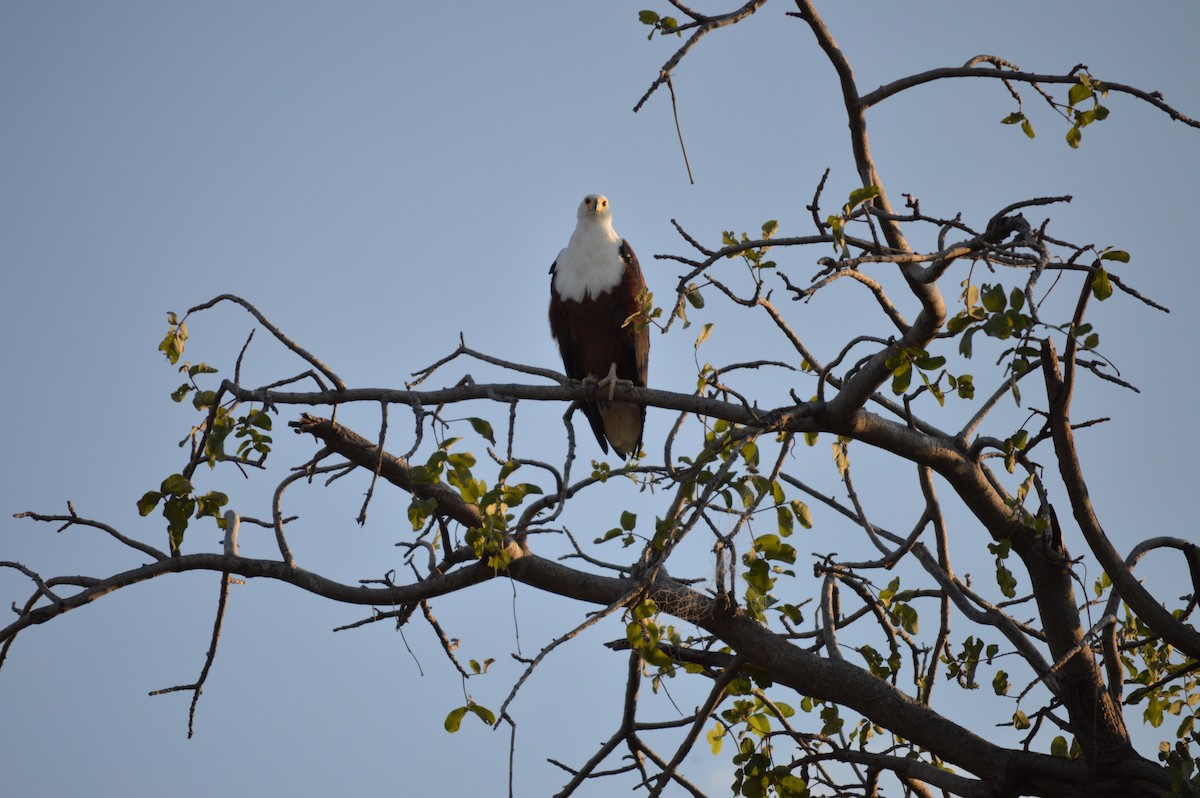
x=598, y=303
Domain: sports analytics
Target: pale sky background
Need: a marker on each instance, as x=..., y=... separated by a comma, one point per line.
x=377, y=177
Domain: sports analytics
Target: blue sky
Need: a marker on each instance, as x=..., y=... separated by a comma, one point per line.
x=378, y=178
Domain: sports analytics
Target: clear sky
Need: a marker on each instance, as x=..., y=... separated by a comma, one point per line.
x=379, y=177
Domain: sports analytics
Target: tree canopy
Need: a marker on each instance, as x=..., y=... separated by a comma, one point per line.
x=842, y=533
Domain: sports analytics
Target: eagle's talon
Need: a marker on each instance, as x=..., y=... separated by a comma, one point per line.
x=612, y=381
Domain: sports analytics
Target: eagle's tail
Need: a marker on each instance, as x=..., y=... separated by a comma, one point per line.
x=623, y=426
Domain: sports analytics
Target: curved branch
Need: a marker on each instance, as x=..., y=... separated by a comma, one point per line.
x=283, y=339
x=895, y=87
x=1157, y=617
x=704, y=25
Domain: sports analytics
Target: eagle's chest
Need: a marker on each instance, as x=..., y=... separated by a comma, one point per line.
x=588, y=268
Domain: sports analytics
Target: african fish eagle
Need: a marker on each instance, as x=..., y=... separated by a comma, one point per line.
x=594, y=287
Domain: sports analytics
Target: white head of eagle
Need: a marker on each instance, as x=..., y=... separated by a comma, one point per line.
x=594, y=288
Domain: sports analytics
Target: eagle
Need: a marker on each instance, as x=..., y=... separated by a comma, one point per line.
x=596, y=285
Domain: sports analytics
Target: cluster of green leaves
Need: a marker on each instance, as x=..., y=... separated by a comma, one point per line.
x=625, y=531
x=904, y=361
x=755, y=257
x=741, y=491
x=453, y=721
x=1088, y=88
x=645, y=314
x=173, y=342
x=1018, y=118
x=1168, y=683
x=763, y=564
x=750, y=719
x=177, y=494
x=645, y=633
x=1182, y=764
x=895, y=603
x=658, y=24
x=180, y=500
x=1060, y=747
x=999, y=315
x=963, y=666
x=252, y=428
x=837, y=222
x=901, y=616
x=489, y=541
x=886, y=668
x=1004, y=577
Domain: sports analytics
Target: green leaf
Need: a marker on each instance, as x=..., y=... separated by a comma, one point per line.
x=758, y=576
x=176, y=485
x=204, y=399
x=644, y=610
x=609, y=535
x=769, y=228
x=648, y=17
x=1101, y=285
x=837, y=227
x=993, y=298
x=172, y=343
x=783, y=518
x=1058, y=747
x=148, y=502
x=906, y=618
x=200, y=368
x=419, y=510
x=1016, y=298
x=1013, y=118
x=760, y=724
x=861, y=195
x=833, y=723
x=1074, y=136
x=770, y=547
x=628, y=520
x=210, y=504
x=454, y=719
x=1000, y=683
x=483, y=713
x=483, y=429
x=1115, y=254
x=178, y=511
x=1027, y=128
x=749, y=453
x=841, y=454
x=1078, y=93
x=802, y=513
x=1006, y=581
x=715, y=737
